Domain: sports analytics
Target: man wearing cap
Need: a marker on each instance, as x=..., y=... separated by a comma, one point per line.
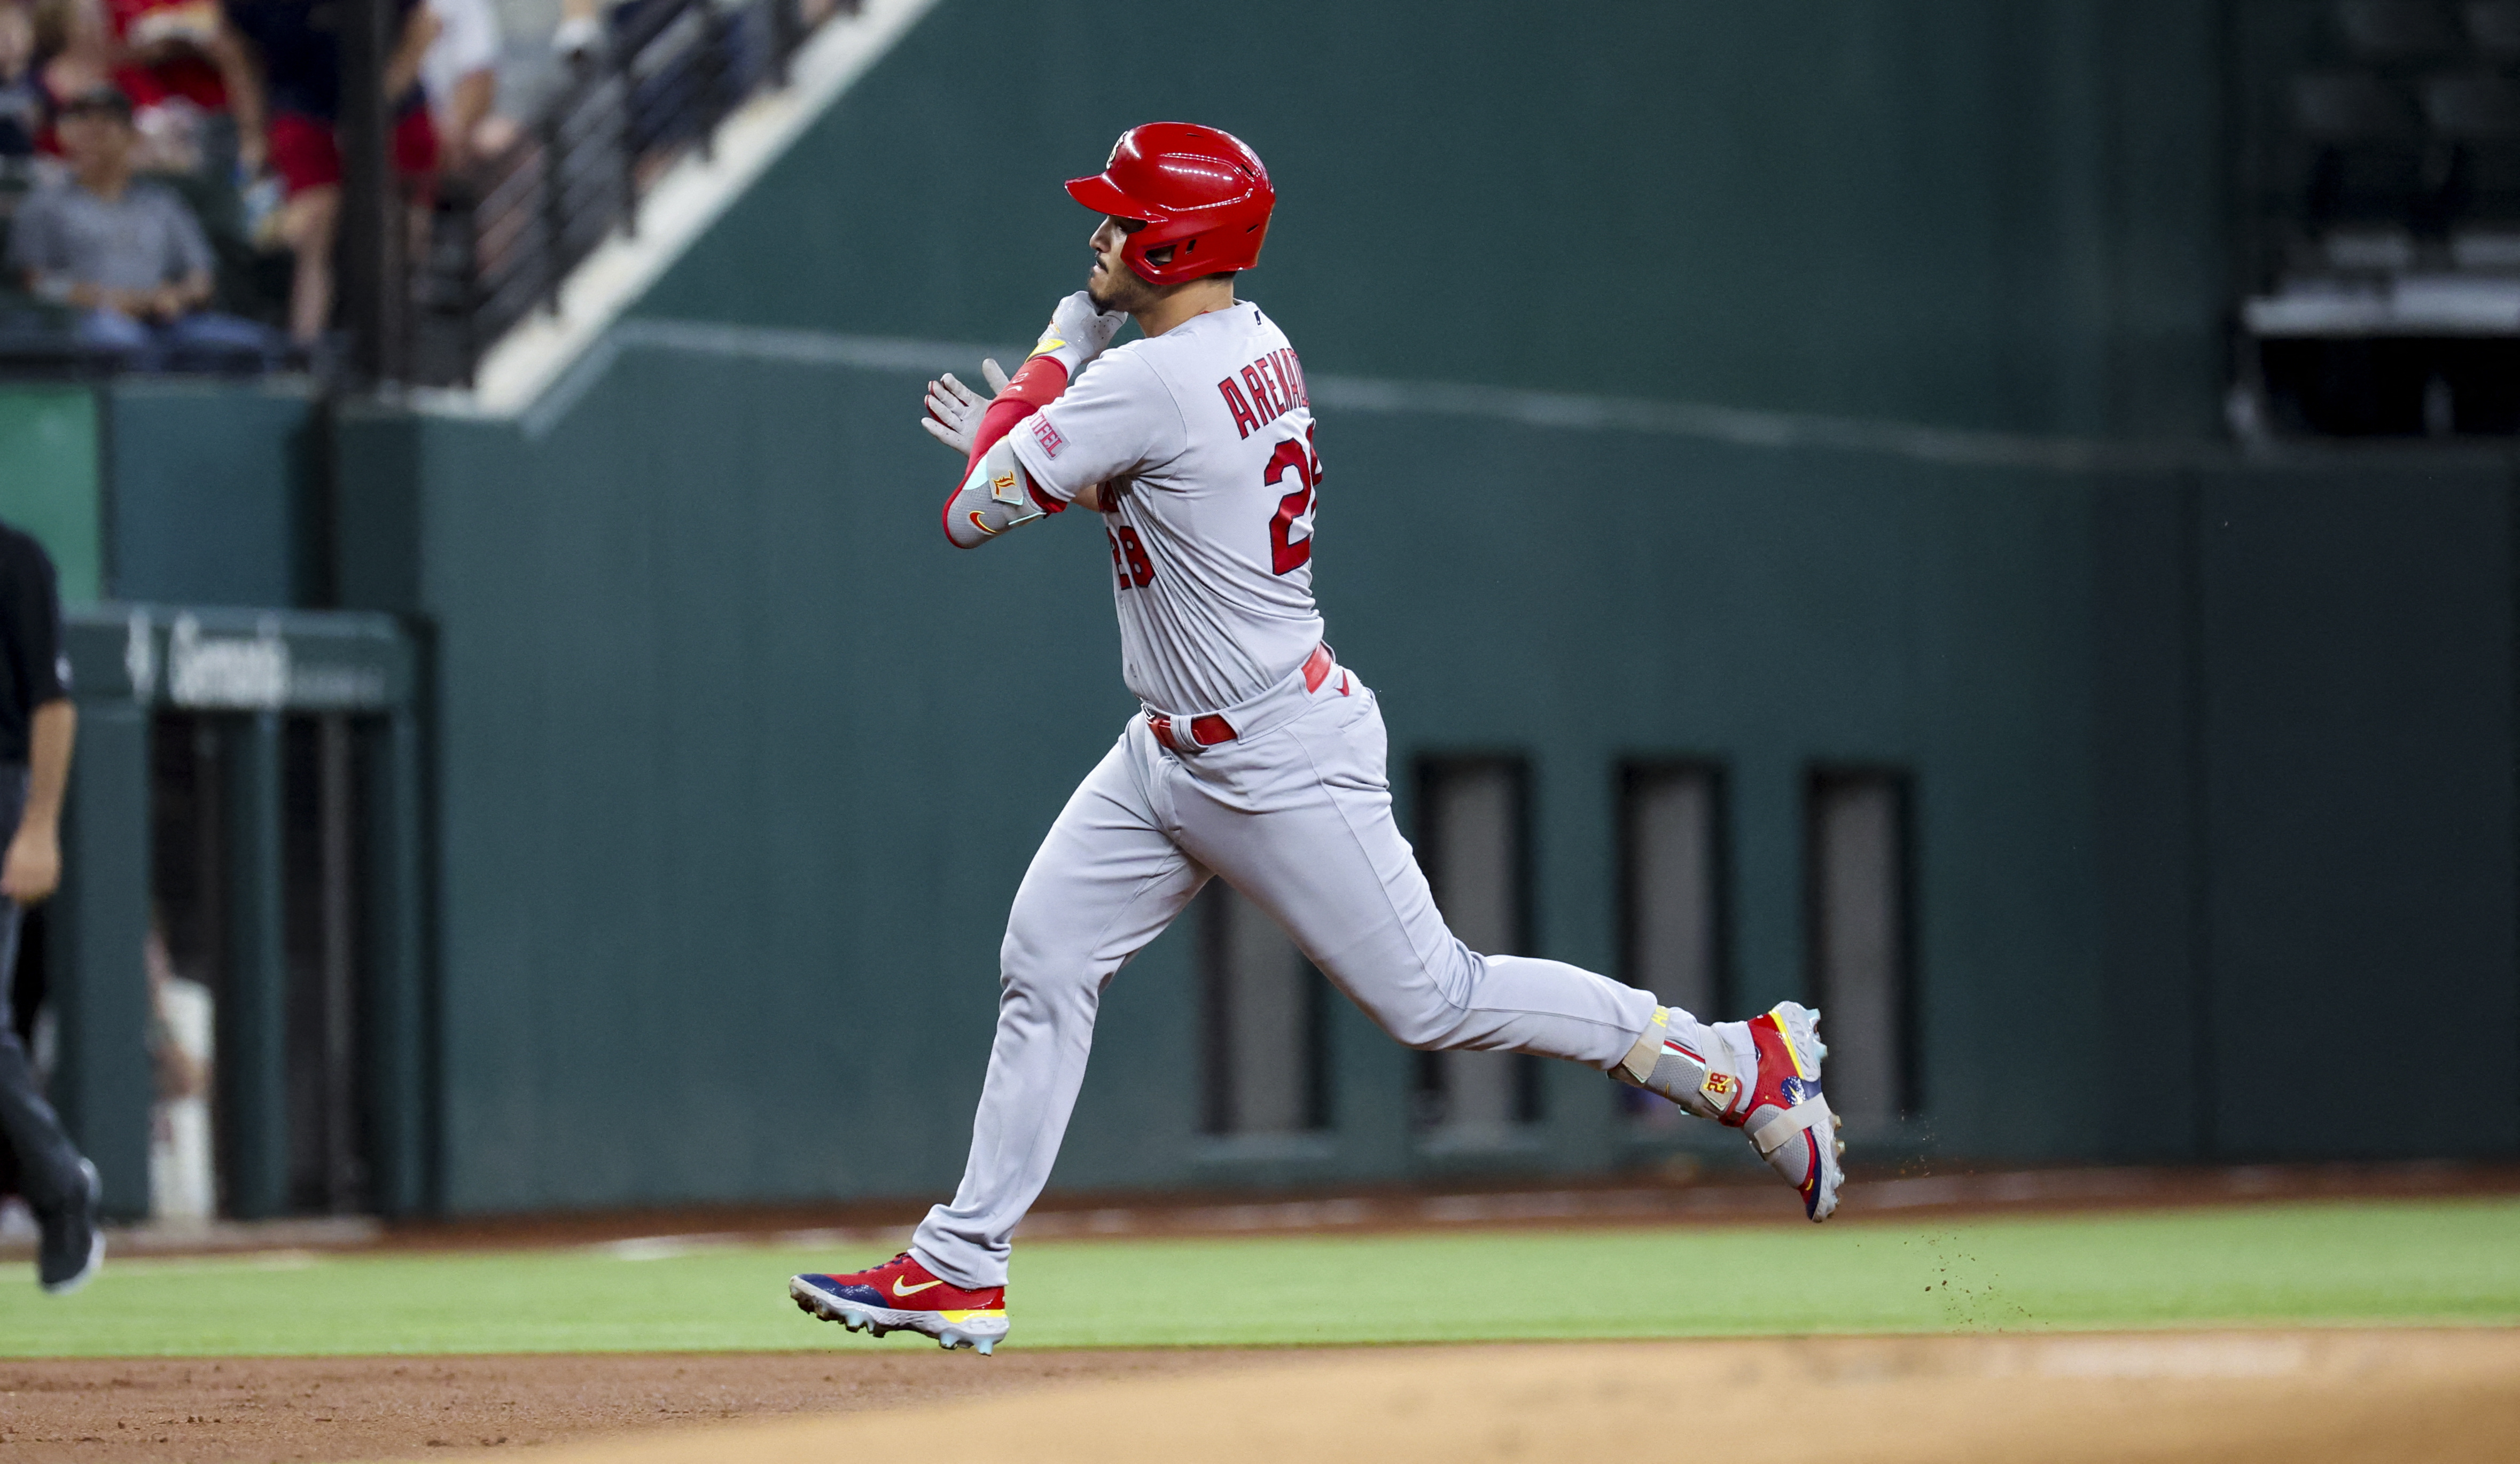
x=124, y=252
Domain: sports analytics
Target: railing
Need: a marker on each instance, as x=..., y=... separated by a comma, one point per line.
x=504, y=239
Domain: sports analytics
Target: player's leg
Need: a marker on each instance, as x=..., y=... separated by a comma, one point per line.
x=1106, y=880
x=1305, y=830
x=1300, y=823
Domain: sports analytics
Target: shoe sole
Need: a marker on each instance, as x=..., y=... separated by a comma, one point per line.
x=1801, y=1027
x=96, y=1236
x=86, y=1273
x=981, y=1331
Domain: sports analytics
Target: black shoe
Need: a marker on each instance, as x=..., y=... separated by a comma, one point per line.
x=73, y=1247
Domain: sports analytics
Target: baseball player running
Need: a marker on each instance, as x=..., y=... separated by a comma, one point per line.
x=1259, y=758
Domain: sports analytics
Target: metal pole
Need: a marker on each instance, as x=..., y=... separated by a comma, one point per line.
x=784, y=38
x=344, y=1166
x=708, y=59
x=399, y=1010
x=375, y=288
x=548, y=209
x=254, y=1010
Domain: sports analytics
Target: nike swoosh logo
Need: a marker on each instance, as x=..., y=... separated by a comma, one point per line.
x=904, y=1288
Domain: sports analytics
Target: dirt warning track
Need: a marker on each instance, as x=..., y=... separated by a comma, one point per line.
x=2296, y=1397
x=214, y=1410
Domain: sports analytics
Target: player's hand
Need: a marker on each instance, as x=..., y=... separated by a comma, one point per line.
x=954, y=409
x=1078, y=332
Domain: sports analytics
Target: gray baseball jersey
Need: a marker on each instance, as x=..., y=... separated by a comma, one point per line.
x=1202, y=440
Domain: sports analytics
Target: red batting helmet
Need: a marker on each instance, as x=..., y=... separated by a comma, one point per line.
x=1197, y=189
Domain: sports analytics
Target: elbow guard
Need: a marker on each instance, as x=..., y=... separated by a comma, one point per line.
x=996, y=495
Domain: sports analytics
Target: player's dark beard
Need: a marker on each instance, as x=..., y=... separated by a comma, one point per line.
x=1121, y=289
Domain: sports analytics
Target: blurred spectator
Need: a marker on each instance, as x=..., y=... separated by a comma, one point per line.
x=171, y=58
x=459, y=74
x=286, y=93
x=74, y=53
x=582, y=28
x=22, y=106
x=181, y=1183
x=126, y=254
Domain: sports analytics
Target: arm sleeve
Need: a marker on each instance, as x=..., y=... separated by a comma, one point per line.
x=1116, y=419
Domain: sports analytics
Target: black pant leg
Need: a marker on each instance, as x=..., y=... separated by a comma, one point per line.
x=47, y=1161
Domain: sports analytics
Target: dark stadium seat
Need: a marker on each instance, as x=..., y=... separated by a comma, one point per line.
x=2493, y=28
x=2398, y=32
x=2362, y=140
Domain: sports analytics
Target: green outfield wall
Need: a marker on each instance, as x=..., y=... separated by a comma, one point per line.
x=185, y=491
x=1998, y=213
x=53, y=484
x=217, y=495
x=740, y=764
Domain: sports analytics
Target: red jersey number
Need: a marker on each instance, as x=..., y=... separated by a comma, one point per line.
x=1286, y=554
x=1129, y=560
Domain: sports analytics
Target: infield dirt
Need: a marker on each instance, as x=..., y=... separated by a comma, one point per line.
x=2299, y=1397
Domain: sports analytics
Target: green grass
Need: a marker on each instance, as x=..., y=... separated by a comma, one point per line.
x=2452, y=1261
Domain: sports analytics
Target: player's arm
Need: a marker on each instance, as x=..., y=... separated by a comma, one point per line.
x=996, y=493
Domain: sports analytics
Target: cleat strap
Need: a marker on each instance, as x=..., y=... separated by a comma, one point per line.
x=1773, y=1133
x=1637, y=1069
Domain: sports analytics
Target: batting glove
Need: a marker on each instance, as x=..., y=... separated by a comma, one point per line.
x=1077, y=333
x=954, y=409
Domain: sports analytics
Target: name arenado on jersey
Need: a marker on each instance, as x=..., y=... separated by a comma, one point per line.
x=1276, y=381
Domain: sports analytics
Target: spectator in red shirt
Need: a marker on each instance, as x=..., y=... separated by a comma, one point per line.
x=172, y=59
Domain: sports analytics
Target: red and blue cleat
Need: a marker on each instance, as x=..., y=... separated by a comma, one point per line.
x=1779, y=1107
x=903, y=1296
x=1784, y=1116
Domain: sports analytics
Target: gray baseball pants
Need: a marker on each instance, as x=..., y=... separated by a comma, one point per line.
x=1297, y=818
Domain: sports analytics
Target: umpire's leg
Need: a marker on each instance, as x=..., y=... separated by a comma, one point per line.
x=47, y=1162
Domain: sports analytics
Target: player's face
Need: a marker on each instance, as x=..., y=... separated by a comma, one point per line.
x=1112, y=284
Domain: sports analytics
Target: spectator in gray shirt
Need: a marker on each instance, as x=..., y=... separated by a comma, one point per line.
x=125, y=253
